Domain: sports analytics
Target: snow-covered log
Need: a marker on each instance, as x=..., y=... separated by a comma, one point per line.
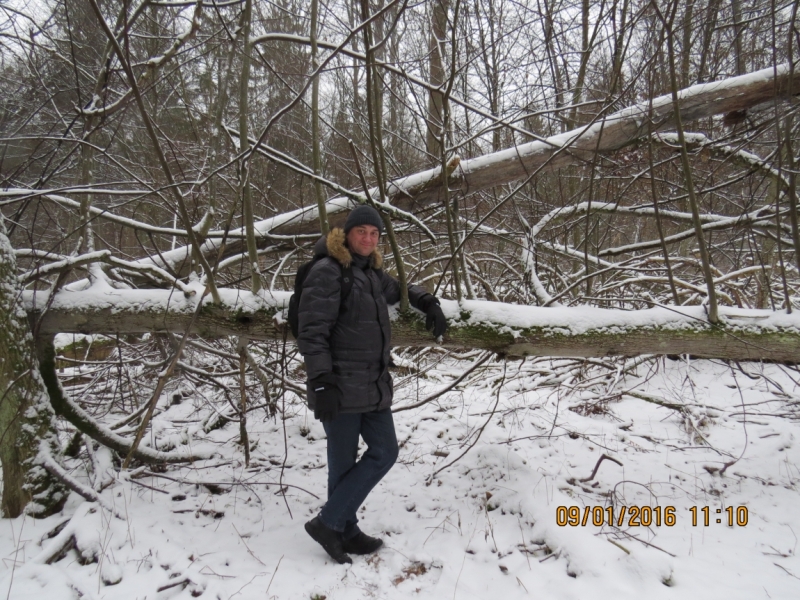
x=507, y=329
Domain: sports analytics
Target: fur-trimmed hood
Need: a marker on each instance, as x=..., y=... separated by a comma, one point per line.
x=335, y=246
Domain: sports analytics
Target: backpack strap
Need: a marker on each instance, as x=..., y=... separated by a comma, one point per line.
x=347, y=281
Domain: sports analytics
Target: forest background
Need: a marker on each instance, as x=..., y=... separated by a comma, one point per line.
x=595, y=181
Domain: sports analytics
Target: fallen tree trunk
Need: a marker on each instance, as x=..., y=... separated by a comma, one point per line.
x=606, y=134
x=507, y=329
x=467, y=176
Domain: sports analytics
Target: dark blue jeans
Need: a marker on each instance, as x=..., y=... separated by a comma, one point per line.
x=350, y=482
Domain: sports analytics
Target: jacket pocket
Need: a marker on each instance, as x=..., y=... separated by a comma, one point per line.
x=352, y=370
x=358, y=382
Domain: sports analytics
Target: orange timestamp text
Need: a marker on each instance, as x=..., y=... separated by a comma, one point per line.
x=647, y=516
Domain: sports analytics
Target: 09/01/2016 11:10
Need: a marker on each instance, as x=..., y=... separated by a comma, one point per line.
x=646, y=516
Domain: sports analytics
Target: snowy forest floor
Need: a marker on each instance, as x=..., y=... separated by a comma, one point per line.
x=471, y=508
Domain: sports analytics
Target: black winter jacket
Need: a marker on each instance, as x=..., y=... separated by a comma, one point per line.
x=350, y=338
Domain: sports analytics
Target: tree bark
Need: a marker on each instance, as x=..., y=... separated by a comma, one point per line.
x=436, y=77
x=244, y=146
x=27, y=428
x=316, y=152
x=507, y=329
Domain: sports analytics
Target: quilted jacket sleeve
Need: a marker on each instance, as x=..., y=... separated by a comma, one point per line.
x=391, y=290
x=317, y=315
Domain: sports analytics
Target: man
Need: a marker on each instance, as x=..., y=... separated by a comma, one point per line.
x=346, y=343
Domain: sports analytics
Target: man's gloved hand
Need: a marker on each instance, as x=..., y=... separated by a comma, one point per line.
x=328, y=397
x=435, y=317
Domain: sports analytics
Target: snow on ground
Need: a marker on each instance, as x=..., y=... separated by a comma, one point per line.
x=483, y=527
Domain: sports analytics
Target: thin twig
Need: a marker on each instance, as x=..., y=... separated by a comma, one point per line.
x=182, y=581
x=273, y=575
x=283, y=422
x=730, y=463
x=597, y=466
x=250, y=552
x=480, y=431
x=242, y=483
x=162, y=380
x=618, y=545
x=149, y=487
x=445, y=389
x=52, y=467
x=633, y=537
x=787, y=570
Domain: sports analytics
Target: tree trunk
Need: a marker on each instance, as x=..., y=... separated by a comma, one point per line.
x=507, y=329
x=27, y=429
x=316, y=152
x=244, y=146
x=436, y=78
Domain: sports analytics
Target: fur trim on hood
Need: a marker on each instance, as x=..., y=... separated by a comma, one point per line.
x=336, y=245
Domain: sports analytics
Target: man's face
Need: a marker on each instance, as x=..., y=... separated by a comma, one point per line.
x=363, y=239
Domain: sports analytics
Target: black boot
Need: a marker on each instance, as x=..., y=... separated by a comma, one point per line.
x=329, y=539
x=361, y=543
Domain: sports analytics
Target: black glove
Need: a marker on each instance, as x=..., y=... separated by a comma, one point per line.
x=328, y=397
x=435, y=317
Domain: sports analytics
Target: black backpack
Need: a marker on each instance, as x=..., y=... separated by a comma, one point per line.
x=294, y=302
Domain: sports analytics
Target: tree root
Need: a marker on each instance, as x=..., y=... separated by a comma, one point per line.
x=84, y=423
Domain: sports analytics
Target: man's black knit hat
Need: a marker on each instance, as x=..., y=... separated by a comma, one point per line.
x=363, y=215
